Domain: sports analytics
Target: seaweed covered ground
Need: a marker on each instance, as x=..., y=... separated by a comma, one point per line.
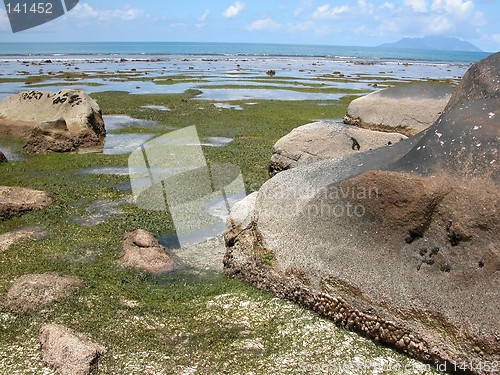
x=192, y=321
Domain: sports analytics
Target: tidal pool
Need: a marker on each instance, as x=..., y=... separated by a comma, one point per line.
x=9, y=154
x=157, y=107
x=263, y=94
x=119, y=122
x=217, y=141
x=122, y=144
x=228, y=106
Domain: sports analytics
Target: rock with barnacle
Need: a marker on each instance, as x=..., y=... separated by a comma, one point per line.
x=398, y=243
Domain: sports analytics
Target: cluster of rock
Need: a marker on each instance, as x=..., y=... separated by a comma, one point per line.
x=64, y=350
x=66, y=121
x=398, y=243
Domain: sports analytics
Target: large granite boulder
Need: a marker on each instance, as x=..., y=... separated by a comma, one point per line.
x=325, y=140
x=44, y=113
x=69, y=352
x=15, y=201
x=406, y=109
x=399, y=244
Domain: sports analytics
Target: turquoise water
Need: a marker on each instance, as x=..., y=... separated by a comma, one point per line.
x=237, y=49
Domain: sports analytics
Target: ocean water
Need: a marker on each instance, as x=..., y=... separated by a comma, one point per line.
x=97, y=67
x=233, y=49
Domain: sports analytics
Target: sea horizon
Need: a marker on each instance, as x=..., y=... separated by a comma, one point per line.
x=61, y=49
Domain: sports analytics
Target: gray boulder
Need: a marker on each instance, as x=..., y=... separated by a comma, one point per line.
x=325, y=140
x=68, y=352
x=15, y=201
x=142, y=251
x=398, y=244
x=406, y=109
x=41, y=112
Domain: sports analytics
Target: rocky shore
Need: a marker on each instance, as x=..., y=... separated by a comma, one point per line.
x=91, y=283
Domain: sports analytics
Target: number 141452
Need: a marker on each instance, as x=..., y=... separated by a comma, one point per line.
x=23, y=8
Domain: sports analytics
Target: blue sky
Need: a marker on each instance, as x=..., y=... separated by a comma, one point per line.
x=345, y=22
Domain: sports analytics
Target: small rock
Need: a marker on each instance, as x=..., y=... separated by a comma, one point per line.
x=68, y=352
x=15, y=201
x=34, y=292
x=141, y=250
x=3, y=158
x=9, y=239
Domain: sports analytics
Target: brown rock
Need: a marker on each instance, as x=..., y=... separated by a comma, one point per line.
x=16, y=201
x=9, y=239
x=44, y=113
x=68, y=352
x=142, y=251
x=34, y=292
x=50, y=136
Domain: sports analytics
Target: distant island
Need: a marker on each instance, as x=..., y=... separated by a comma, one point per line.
x=433, y=43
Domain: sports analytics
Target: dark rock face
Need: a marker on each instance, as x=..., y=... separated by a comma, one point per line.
x=399, y=244
x=464, y=141
x=69, y=352
x=480, y=82
x=3, y=158
x=50, y=136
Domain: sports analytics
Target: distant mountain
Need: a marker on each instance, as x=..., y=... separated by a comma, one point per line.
x=433, y=43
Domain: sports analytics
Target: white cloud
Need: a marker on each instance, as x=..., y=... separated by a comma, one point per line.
x=4, y=21
x=204, y=16
x=439, y=24
x=300, y=27
x=234, y=10
x=417, y=5
x=454, y=7
x=388, y=6
x=264, y=24
x=365, y=7
x=84, y=11
x=326, y=12
x=496, y=38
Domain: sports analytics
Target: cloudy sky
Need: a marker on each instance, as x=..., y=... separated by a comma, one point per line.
x=344, y=22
